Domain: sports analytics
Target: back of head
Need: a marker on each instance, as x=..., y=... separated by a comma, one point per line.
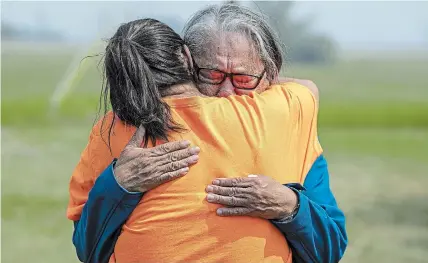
x=208, y=23
x=143, y=60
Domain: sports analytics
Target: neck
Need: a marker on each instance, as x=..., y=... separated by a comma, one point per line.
x=182, y=91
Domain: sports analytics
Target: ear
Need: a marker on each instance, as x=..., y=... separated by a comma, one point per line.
x=188, y=57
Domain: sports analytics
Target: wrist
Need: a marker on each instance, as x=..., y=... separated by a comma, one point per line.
x=291, y=208
x=120, y=182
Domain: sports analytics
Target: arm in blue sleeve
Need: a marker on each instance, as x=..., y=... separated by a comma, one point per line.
x=106, y=210
x=317, y=233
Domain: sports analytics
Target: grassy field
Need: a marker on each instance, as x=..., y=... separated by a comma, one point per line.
x=373, y=128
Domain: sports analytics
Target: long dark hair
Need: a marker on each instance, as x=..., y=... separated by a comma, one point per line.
x=142, y=60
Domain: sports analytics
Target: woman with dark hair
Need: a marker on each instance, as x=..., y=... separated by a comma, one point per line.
x=150, y=82
x=145, y=61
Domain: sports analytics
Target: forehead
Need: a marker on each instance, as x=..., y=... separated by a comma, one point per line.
x=232, y=51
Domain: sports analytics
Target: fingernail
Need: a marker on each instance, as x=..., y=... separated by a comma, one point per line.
x=210, y=197
x=195, y=150
x=194, y=159
x=210, y=188
x=252, y=175
x=185, y=143
x=219, y=212
x=217, y=182
x=184, y=170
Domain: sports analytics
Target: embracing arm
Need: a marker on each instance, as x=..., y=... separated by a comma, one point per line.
x=100, y=207
x=106, y=210
x=97, y=202
x=317, y=232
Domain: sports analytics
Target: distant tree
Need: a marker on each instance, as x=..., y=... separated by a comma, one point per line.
x=11, y=32
x=232, y=2
x=302, y=45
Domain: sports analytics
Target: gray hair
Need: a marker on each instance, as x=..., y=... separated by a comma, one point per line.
x=229, y=17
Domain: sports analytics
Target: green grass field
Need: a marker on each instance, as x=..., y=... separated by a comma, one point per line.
x=373, y=128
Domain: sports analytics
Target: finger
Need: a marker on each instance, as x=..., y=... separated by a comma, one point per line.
x=138, y=137
x=173, y=175
x=174, y=166
x=227, y=191
x=234, y=211
x=226, y=200
x=179, y=155
x=236, y=182
x=170, y=147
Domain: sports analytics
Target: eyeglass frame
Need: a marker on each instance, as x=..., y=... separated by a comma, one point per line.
x=230, y=75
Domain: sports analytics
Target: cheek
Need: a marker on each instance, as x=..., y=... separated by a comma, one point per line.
x=208, y=90
x=264, y=85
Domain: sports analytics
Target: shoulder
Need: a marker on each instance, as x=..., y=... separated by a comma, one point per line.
x=304, y=82
x=110, y=123
x=110, y=135
x=295, y=93
x=312, y=87
x=102, y=125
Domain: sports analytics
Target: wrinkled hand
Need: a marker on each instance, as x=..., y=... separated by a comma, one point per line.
x=142, y=169
x=258, y=196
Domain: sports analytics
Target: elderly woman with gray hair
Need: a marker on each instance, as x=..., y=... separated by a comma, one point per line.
x=230, y=45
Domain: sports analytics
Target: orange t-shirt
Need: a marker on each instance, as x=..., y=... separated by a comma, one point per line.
x=272, y=134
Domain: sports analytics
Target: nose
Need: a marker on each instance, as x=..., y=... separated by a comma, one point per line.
x=226, y=89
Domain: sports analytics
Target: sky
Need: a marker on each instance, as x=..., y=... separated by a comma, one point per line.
x=355, y=25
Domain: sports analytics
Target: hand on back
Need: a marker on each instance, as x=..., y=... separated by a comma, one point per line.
x=142, y=169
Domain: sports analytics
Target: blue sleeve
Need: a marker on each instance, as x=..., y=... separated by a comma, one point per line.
x=317, y=233
x=106, y=210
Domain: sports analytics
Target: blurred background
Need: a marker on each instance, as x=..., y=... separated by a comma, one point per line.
x=369, y=60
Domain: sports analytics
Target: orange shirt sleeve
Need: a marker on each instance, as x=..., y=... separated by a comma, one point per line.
x=303, y=112
x=306, y=108
x=94, y=159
